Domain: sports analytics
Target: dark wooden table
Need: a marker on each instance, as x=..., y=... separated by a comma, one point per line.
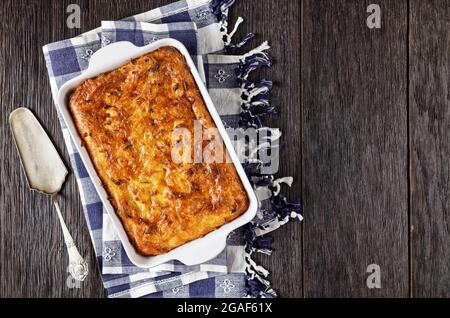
x=365, y=114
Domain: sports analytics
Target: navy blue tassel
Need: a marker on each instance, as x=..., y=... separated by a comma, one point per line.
x=242, y=42
x=248, y=120
x=264, y=83
x=252, y=169
x=254, y=243
x=249, y=237
x=252, y=113
x=265, y=181
x=253, y=63
x=260, y=97
x=263, y=244
x=260, y=109
x=220, y=7
x=256, y=289
x=285, y=208
x=259, y=104
x=251, y=86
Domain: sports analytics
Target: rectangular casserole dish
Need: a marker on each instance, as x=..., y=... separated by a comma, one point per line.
x=194, y=252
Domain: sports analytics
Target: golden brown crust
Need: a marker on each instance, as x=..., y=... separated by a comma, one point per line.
x=126, y=118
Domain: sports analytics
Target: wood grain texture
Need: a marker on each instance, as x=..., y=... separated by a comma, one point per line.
x=33, y=257
x=430, y=147
x=355, y=186
x=346, y=137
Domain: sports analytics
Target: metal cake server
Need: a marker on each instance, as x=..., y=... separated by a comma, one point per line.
x=45, y=172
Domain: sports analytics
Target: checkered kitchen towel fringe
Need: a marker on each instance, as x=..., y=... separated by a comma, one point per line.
x=240, y=102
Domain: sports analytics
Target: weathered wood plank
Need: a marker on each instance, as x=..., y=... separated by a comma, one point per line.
x=354, y=148
x=430, y=147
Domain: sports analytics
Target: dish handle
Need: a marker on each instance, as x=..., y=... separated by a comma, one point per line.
x=106, y=58
x=205, y=249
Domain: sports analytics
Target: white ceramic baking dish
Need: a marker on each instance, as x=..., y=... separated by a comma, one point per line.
x=193, y=253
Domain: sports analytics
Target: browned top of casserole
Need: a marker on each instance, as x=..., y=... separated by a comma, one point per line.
x=126, y=118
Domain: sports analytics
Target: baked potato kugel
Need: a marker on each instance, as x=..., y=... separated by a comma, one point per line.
x=126, y=118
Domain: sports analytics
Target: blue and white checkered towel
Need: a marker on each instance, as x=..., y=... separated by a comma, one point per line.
x=201, y=25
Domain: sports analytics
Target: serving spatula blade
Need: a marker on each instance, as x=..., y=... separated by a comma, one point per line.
x=45, y=172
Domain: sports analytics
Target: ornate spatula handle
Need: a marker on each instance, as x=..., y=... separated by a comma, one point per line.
x=77, y=265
